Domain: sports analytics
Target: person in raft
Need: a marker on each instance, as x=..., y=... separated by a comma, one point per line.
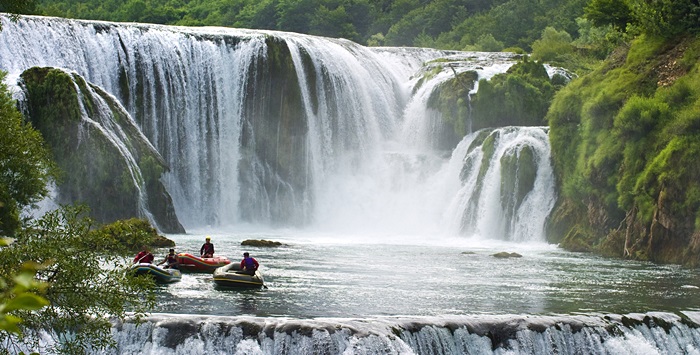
x=207, y=250
x=170, y=260
x=249, y=265
x=144, y=256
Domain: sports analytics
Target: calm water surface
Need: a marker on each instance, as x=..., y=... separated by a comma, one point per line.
x=346, y=276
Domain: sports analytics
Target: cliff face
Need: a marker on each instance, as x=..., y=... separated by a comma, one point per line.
x=107, y=163
x=625, y=141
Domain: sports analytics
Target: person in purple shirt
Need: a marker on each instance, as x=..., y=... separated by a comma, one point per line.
x=249, y=265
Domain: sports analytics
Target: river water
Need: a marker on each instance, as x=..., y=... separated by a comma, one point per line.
x=379, y=267
x=317, y=275
x=329, y=293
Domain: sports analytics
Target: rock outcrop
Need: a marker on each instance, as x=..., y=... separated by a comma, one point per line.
x=107, y=163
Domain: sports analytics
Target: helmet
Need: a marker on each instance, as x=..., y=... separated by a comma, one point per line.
x=208, y=238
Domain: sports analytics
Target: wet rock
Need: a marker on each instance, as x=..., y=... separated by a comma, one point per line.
x=260, y=243
x=505, y=254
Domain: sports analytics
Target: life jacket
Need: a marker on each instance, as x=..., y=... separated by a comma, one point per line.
x=249, y=264
x=207, y=248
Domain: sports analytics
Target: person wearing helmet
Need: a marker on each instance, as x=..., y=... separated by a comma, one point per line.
x=207, y=250
x=249, y=265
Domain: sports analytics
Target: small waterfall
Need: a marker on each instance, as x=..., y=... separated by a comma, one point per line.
x=507, y=186
x=654, y=333
x=285, y=129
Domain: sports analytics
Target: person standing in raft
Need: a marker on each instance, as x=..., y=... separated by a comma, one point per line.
x=249, y=265
x=144, y=256
x=207, y=250
x=170, y=260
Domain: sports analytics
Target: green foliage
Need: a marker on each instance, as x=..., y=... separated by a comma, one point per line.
x=448, y=24
x=25, y=163
x=16, y=7
x=667, y=18
x=514, y=23
x=25, y=294
x=486, y=43
x=519, y=97
x=87, y=286
x=333, y=23
x=624, y=146
x=596, y=41
x=616, y=13
x=552, y=45
x=130, y=235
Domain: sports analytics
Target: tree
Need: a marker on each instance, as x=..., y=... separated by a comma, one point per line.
x=608, y=12
x=552, y=45
x=667, y=18
x=333, y=23
x=16, y=7
x=26, y=166
x=89, y=284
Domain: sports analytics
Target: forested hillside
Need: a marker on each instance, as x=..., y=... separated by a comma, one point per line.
x=490, y=25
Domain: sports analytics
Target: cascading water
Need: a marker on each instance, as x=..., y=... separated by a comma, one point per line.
x=239, y=150
x=656, y=333
x=282, y=129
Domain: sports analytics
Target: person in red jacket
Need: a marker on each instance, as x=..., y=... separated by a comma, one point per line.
x=144, y=256
x=249, y=265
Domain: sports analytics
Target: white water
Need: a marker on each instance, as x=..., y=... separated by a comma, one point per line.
x=368, y=162
x=372, y=177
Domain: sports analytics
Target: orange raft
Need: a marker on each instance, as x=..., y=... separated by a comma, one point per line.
x=190, y=263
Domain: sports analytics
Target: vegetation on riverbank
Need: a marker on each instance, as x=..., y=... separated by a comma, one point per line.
x=84, y=277
x=625, y=141
x=625, y=138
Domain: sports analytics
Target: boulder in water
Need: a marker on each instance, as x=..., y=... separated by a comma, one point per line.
x=505, y=254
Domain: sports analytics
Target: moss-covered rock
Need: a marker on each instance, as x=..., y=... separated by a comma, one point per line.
x=107, y=163
x=519, y=97
x=451, y=99
x=518, y=173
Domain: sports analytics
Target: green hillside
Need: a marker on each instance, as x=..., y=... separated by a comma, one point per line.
x=625, y=142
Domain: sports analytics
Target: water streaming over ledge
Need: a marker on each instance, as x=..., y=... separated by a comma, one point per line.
x=361, y=139
x=336, y=140
x=654, y=333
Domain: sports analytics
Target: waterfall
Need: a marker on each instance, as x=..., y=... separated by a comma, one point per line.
x=653, y=333
x=285, y=129
x=523, y=197
x=104, y=121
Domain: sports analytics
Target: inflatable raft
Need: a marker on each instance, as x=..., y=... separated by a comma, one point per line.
x=231, y=275
x=190, y=263
x=161, y=275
